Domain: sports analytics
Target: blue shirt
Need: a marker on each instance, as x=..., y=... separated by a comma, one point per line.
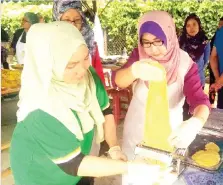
x=202, y=61
x=218, y=43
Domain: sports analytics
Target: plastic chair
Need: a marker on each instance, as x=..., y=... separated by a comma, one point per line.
x=121, y=98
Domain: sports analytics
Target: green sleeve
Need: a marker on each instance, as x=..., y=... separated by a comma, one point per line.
x=52, y=137
x=101, y=93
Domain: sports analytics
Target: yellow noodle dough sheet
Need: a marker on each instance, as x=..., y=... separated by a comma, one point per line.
x=157, y=127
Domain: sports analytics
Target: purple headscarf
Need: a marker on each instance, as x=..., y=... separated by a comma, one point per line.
x=153, y=28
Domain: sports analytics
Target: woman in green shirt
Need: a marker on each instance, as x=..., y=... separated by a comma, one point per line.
x=60, y=111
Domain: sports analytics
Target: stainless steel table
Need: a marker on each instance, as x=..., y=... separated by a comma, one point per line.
x=192, y=176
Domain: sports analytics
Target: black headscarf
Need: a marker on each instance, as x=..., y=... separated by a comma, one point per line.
x=195, y=45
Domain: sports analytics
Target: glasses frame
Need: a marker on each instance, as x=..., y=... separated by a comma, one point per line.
x=74, y=22
x=152, y=43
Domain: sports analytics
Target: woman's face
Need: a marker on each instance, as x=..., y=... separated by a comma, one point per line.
x=192, y=27
x=72, y=16
x=77, y=66
x=25, y=23
x=153, y=46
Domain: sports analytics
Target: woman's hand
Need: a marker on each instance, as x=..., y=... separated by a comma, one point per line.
x=185, y=134
x=116, y=153
x=144, y=70
x=137, y=171
x=215, y=87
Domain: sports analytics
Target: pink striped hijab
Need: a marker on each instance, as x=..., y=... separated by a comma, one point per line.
x=161, y=24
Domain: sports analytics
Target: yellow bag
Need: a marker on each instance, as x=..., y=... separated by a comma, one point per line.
x=157, y=127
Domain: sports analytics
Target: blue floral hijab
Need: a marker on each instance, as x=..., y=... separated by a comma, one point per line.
x=61, y=6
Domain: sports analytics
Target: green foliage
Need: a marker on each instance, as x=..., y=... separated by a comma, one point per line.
x=13, y=14
x=120, y=20
x=120, y=17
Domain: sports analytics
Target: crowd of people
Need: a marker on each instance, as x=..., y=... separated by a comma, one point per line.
x=64, y=110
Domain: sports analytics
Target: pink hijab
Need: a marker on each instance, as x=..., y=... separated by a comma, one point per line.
x=166, y=26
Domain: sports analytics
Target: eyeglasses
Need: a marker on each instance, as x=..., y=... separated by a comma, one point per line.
x=147, y=44
x=75, y=22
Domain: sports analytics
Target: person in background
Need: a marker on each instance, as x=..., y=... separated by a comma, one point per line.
x=212, y=94
x=194, y=41
x=61, y=109
x=220, y=24
x=4, y=55
x=19, y=37
x=217, y=85
x=4, y=51
x=41, y=18
x=71, y=11
x=4, y=36
x=157, y=41
x=216, y=61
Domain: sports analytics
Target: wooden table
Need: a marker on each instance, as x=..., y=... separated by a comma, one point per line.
x=6, y=146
